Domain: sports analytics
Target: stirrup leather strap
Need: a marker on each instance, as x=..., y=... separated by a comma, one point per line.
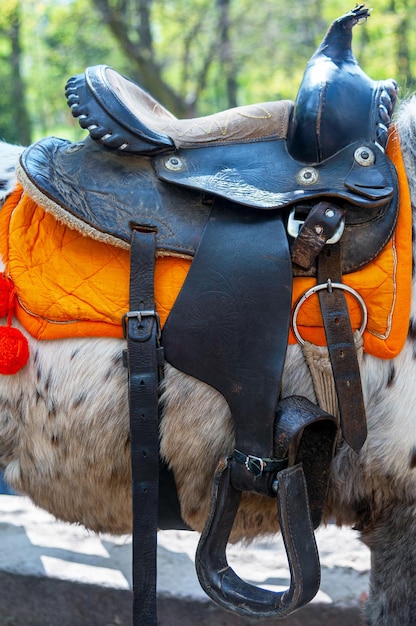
x=142, y=333
x=342, y=349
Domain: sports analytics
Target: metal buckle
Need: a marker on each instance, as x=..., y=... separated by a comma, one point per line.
x=255, y=465
x=295, y=224
x=139, y=315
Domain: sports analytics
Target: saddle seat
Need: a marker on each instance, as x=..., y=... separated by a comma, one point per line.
x=121, y=115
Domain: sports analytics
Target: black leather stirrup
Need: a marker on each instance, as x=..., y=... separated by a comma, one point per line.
x=219, y=580
x=142, y=333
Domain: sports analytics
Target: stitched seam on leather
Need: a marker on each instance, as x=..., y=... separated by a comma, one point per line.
x=284, y=120
x=224, y=142
x=301, y=585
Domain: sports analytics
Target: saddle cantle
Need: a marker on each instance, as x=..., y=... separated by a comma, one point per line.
x=105, y=104
x=120, y=115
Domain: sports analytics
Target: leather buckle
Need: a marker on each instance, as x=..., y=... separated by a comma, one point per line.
x=140, y=316
x=256, y=465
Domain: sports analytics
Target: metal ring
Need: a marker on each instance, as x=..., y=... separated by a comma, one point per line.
x=329, y=285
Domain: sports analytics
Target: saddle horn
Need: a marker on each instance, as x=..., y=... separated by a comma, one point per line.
x=337, y=102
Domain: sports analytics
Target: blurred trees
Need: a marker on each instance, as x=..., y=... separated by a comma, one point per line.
x=195, y=56
x=15, y=114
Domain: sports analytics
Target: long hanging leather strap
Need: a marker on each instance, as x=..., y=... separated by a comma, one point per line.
x=341, y=348
x=142, y=333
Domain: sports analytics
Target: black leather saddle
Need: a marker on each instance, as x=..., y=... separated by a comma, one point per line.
x=254, y=195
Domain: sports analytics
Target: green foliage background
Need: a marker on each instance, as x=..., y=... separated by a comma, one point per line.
x=262, y=57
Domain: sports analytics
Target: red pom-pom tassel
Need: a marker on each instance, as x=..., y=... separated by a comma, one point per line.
x=6, y=295
x=14, y=347
x=14, y=350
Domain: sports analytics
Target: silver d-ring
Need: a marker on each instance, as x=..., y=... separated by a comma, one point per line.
x=320, y=287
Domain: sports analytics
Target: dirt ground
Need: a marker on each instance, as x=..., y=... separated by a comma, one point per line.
x=55, y=574
x=31, y=601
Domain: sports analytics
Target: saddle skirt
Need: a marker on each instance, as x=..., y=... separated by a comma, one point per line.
x=69, y=284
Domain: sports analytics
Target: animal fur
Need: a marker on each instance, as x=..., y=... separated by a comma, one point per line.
x=8, y=157
x=64, y=441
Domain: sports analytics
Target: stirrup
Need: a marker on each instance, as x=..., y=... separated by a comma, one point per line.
x=218, y=579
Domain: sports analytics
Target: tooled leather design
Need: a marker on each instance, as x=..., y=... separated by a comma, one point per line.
x=101, y=193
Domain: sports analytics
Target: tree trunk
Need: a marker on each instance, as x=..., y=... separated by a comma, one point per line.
x=20, y=113
x=404, y=71
x=226, y=55
x=137, y=44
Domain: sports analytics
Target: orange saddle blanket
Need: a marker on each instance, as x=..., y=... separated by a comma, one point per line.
x=69, y=285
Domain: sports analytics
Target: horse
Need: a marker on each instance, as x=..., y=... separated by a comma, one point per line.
x=65, y=437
